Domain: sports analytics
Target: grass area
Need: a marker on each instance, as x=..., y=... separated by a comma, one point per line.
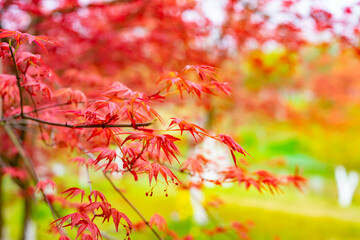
x=292, y=225
x=292, y=215
x=313, y=214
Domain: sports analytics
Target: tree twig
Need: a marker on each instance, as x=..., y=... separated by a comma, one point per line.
x=88, y=178
x=17, y=80
x=98, y=125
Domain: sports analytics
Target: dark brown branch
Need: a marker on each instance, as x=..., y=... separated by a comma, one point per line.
x=37, y=115
x=123, y=125
x=27, y=213
x=17, y=80
x=52, y=106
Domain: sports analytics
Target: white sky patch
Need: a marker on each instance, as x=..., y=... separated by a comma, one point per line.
x=50, y=5
x=191, y=16
x=214, y=10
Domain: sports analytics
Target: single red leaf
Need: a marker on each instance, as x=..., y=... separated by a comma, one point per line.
x=73, y=192
x=116, y=215
x=99, y=195
x=158, y=221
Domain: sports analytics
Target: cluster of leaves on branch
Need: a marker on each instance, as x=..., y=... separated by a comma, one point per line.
x=132, y=41
x=82, y=220
x=67, y=118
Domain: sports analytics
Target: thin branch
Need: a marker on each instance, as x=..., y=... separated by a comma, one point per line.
x=37, y=115
x=107, y=236
x=17, y=80
x=53, y=106
x=121, y=125
x=40, y=109
x=104, y=125
x=123, y=196
x=88, y=178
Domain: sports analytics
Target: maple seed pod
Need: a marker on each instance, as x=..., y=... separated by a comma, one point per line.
x=151, y=193
x=147, y=194
x=166, y=195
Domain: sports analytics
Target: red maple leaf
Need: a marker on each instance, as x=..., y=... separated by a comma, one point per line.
x=20, y=37
x=158, y=221
x=296, y=179
x=117, y=216
x=195, y=164
x=153, y=169
x=232, y=145
x=105, y=153
x=205, y=72
x=14, y=172
x=190, y=127
x=82, y=221
x=41, y=185
x=73, y=192
x=272, y=183
x=155, y=143
x=97, y=195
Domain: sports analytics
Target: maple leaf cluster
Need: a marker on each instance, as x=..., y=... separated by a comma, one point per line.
x=68, y=118
x=81, y=219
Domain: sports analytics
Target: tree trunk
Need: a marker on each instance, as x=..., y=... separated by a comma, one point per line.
x=27, y=214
